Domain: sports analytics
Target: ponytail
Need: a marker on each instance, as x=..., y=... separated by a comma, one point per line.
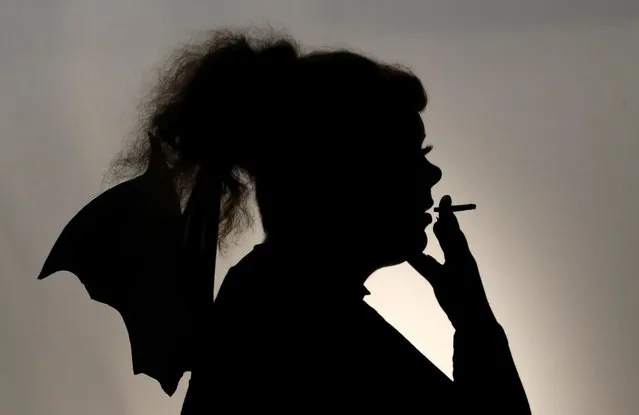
x=211, y=114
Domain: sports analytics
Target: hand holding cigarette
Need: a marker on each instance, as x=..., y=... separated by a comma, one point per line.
x=457, y=282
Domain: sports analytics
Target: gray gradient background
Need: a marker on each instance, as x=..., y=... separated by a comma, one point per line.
x=534, y=115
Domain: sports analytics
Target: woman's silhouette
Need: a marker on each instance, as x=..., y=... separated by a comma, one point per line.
x=333, y=144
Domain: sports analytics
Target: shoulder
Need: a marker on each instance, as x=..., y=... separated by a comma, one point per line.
x=242, y=283
x=236, y=281
x=250, y=290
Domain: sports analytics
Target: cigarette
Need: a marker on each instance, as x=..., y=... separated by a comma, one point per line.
x=459, y=208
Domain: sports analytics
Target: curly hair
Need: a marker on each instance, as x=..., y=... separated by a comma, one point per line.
x=240, y=97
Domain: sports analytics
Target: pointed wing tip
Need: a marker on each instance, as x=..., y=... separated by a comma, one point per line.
x=46, y=271
x=44, y=275
x=169, y=389
x=49, y=269
x=168, y=386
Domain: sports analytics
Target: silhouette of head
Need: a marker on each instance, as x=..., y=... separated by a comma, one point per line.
x=331, y=141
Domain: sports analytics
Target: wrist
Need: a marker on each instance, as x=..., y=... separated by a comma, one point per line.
x=475, y=318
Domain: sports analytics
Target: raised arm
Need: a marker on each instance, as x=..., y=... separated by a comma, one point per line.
x=484, y=372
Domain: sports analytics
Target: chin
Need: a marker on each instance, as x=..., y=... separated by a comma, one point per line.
x=420, y=245
x=414, y=246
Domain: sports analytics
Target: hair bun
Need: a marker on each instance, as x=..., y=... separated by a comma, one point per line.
x=280, y=53
x=219, y=98
x=272, y=69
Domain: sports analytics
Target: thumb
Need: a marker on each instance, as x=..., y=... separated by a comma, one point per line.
x=428, y=267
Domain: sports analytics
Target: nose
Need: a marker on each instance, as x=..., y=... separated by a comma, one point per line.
x=434, y=174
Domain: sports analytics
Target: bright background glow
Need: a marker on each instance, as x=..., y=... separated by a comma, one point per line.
x=534, y=115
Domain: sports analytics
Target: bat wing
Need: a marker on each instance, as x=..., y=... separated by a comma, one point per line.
x=125, y=247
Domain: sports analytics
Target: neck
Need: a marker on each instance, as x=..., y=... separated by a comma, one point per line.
x=323, y=259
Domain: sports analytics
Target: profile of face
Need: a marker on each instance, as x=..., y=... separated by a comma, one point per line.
x=386, y=202
x=364, y=191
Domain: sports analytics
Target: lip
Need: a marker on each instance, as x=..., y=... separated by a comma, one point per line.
x=429, y=218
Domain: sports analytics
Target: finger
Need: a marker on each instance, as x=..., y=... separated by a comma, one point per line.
x=446, y=211
x=445, y=202
x=428, y=267
x=448, y=232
